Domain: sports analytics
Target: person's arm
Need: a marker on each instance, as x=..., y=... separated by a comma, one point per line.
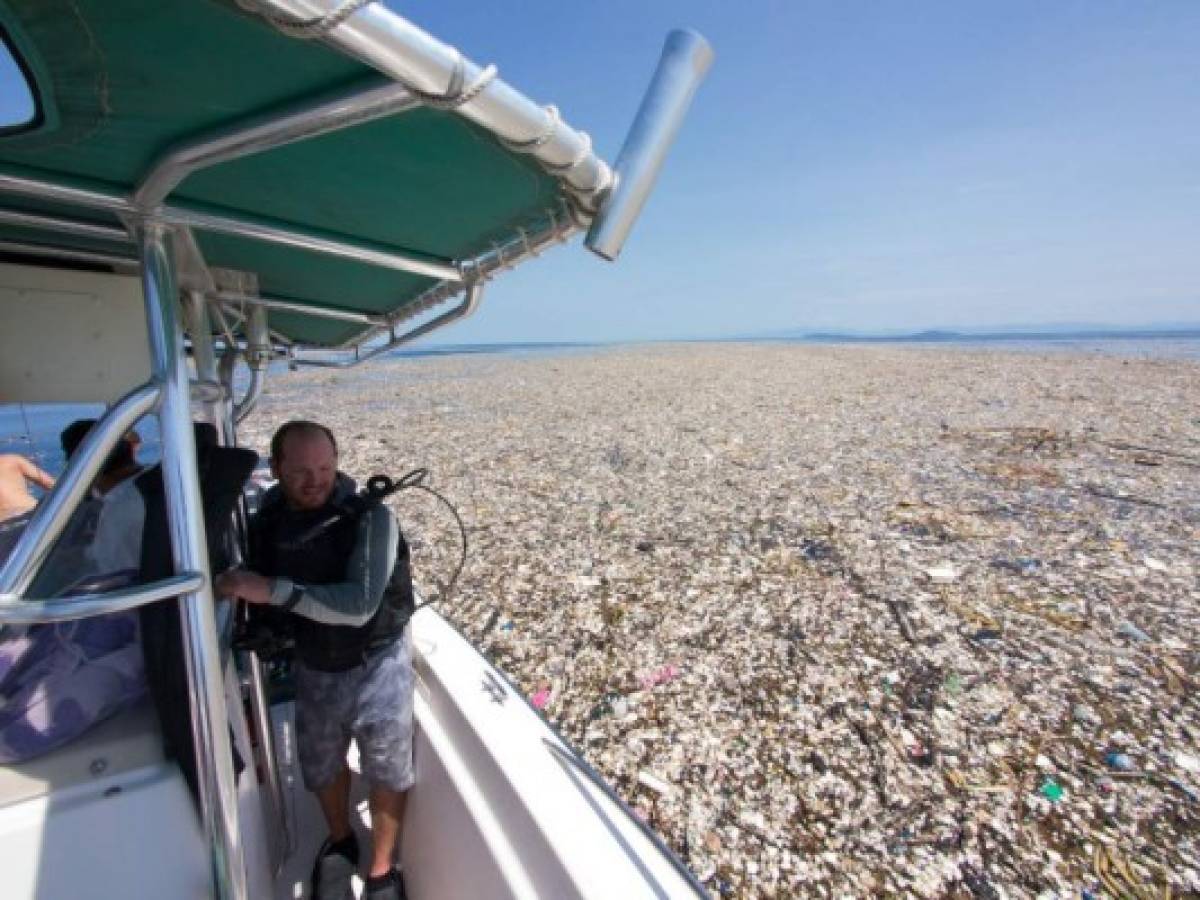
x=349, y=602
x=16, y=474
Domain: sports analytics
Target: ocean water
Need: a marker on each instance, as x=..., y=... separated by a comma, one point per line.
x=33, y=430
x=1137, y=346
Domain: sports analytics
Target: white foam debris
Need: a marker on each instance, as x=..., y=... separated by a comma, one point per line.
x=654, y=783
x=943, y=574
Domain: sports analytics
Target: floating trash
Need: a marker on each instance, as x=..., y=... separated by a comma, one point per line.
x=661, y=675
x=1189, y=762
x=1120, y=762
x=765, y=518
x=654, y=783
x=1051, y=790
x=942, y=574
x=1131, y=631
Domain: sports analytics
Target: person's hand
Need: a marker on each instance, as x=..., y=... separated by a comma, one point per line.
x=239, y=584
x=16, y=474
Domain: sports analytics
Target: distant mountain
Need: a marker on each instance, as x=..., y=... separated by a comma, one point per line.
x=1060, y=331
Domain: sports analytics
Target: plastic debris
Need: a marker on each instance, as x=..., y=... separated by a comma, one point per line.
x=987, y=634
x=1189, y=762
x=1120, y=762
x=1051, y=790
x=1019, y=566
x=1131, y=631
x=541, y=698
x=796, y=498
x=654, y=783
x=661, y=675
x=942, y=574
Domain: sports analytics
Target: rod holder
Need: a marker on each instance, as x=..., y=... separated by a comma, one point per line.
x=686, y=58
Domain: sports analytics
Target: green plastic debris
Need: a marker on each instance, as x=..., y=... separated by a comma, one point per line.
x=1051, y=790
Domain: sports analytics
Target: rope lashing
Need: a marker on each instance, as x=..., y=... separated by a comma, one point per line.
x=585, y=150
x=455, y=95
x=498, y=249
x=580, y=213
x=543, y=138
x=309, y=29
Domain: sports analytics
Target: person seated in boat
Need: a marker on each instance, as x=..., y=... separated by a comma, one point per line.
x=346, y=589
x=121, y=463
x=58, y=680
x=78, y=553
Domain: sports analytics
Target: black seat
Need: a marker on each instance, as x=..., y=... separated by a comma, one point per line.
x=223, y=474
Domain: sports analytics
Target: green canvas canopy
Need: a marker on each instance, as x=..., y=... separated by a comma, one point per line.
x=119, y=83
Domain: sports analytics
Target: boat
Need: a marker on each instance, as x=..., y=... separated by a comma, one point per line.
x=206, y=187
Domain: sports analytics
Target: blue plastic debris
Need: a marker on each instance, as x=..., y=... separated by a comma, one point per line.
x=1121, y=762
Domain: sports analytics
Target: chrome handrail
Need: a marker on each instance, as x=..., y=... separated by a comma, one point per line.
x=53, y=513
x=38, y=222
x=300, y=238
x=25, y=248
x=375, y=99
x=282, y=234
x=303, y=309
x=206, y=683
x=468, y=306
x=260, y=713
x=17, y=611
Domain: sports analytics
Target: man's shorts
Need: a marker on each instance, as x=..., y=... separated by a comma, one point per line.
x=372, y=703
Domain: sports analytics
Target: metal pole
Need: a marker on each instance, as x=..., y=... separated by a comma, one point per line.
x=214, y=761
x=63, y=226
x=375, y=99
x=258, y=357
x=294, y=236
x=304, y=309
x=559, y=229
x=284, y=235
x=398, y=48
x=195, y=315
x=465, y=308
x=44, y=250
x=686, y=58
x=260, y=711
x=20, y=610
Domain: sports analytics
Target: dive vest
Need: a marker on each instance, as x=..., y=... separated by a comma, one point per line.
x=279, y=547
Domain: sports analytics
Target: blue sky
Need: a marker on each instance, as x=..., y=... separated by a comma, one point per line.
x=868, y=165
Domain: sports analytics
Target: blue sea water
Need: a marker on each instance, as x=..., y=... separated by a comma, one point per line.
x=33, y=430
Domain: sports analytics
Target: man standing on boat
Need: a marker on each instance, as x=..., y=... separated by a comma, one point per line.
x=340, y=570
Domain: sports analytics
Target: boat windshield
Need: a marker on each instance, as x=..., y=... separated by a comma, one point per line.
x=18, y=108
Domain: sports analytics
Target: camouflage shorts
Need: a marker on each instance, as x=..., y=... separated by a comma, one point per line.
x=371, y=703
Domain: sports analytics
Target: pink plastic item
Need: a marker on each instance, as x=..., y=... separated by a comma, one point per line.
x=662, y=675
